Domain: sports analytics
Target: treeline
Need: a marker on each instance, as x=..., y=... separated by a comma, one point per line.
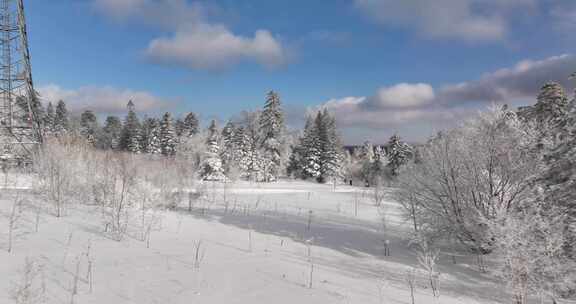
x=255, y=146
x=151, y=135
x=504, y=183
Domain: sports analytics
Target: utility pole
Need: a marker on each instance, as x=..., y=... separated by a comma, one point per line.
x=20, y=126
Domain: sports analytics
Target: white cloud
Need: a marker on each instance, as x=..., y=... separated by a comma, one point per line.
x=520, y=81
x=195, y=43
x=105, y=99
x=402, y=95
x=470, y=20
x=352, y=112
x=215, y=47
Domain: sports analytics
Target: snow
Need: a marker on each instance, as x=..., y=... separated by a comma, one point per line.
x=255, y=250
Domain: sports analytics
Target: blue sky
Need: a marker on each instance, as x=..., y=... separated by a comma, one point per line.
x=382, y=66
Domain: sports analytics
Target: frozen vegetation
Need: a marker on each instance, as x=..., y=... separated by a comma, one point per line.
x=164, y=212
x=286, y=242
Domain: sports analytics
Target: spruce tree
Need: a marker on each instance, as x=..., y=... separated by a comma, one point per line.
x=179, y=127
x=245, y=156
x=212, y=165
x=190, y=126
x=559, y=178
x=296, y=161
x=112, y=132
x=240, y=147
x=399, y=153
x=89, y=126
x=272, y=128
x=329, y=146
x=61, y=120
x=167, y=136
x=548, y=114
x=130, y=139
x=151, y=136
x=367, y=156
x=229, y=147
x=311, y=150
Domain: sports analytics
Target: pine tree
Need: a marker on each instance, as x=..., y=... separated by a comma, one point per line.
x=399, y=153
x=112, y=132
x=130, y=139
x=272, y=127
x=190, y=125
x=212, y=165
x=167, y=136
x=151, y=136
x=89, y=126
x=61, y=120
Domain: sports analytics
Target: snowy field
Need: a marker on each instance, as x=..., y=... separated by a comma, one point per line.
x=286, y=242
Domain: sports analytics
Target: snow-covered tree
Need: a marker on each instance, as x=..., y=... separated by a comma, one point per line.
x=190, y=125
x=271, y=128
x=151, y=136
x=548, y=114
x=130, y=138
x=296, y=161
x=466, y=175
x=89, y=126
x=246, y=155
x=112, y=131
x=318, y=154
x=179, y=127
x=61, y=119
x=167, y=136
x=212, y=169
x=49, y=119
x=399, y=153
x=228, y=145
x=311, y=150
x=559, y=178
x=330, y=146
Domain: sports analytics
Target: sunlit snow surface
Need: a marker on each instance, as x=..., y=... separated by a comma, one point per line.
x=254, y=244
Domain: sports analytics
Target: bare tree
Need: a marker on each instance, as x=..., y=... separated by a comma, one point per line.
x=115, y=191
x=410, y=277
x=31, y=287
x=427, y=258
x=13, y=220
x=464, y=176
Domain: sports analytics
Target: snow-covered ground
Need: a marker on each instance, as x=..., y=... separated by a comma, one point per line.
x=285, y=242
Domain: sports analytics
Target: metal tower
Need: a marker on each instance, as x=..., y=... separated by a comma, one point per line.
x=19, y=125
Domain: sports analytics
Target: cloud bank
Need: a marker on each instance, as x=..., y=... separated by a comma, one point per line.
x=105, y=99
x=406, y=107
